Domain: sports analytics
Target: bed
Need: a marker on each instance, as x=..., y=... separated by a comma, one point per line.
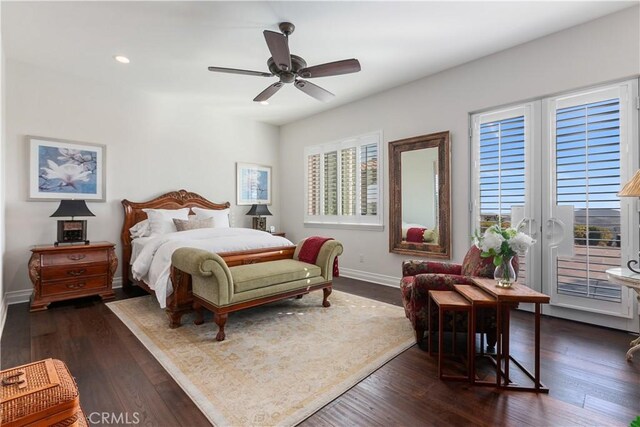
x=180, y=300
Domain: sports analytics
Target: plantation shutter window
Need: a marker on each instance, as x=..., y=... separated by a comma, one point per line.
x=331, y=183
x=313, y=184
x=348, y=180
x=501, y=142
x=502, y=174
x=369, y=179
x=587, y=139
x=343, y=182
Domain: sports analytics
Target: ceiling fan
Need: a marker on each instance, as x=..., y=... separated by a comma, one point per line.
x=292, y=68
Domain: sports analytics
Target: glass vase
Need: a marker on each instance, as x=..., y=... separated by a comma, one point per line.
x=505, y=274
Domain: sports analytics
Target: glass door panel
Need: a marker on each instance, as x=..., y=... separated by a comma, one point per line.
x=585, y=152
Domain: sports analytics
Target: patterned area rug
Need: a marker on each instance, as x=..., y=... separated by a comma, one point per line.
x=279, y=363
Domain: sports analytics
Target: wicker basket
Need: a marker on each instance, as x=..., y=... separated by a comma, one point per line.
x=42, y=393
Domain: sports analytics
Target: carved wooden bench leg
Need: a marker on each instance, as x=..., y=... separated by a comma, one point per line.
x=326, y=292
x=199, y=315
x=175, y=318
x=221, y=320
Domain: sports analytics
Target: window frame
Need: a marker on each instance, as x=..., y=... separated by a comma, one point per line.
x=358, y=221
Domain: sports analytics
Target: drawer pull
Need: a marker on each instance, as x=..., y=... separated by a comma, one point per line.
x=75, y=285
x=76, y=257
x=77, y=272
x=18, y=379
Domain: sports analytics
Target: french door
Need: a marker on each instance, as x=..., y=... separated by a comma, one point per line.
x=571, y=153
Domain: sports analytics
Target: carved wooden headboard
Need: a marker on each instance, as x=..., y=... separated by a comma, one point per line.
x=133, y=214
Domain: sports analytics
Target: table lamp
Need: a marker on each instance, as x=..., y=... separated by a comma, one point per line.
x=72, y=231
x=632, y=189
x=259, y=223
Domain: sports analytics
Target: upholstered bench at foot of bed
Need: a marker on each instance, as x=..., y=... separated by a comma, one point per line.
x=222, y=289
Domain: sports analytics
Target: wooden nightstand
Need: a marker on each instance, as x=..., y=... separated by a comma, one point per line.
x=64, y=272
x=280, y=234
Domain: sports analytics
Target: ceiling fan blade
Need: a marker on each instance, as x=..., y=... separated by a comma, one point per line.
x=314, y=91
x=336, y=68
x=279, y=48
x=237, y=71
x=268, y=92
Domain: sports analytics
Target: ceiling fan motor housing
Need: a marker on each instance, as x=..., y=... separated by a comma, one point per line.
x=297, y=64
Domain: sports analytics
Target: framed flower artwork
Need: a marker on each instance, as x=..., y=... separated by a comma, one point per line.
x=60, y=169
x=253, y=184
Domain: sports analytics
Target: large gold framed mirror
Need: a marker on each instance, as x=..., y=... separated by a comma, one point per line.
x=419, y=208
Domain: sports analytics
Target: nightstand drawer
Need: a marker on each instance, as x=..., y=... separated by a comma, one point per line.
x=73, y=271
x=75, y=257
x=74, y=285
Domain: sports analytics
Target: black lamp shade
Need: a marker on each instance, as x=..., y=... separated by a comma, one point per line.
x=72, y=208
x=259, y=210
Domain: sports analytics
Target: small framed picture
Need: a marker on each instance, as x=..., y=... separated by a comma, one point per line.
x=60, y=169
x=253, y=184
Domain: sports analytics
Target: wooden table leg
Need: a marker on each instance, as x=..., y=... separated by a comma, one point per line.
x=498, y=344
x=440, y=340
x=429, y=325
x=471, y=345
x=507, y=355
x=537, y=349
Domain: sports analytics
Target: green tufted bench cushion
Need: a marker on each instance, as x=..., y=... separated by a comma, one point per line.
x=255, y=276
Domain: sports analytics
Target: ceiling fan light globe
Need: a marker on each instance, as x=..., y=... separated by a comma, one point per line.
x=287, y=77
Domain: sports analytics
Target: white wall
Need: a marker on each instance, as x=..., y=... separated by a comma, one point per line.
x=3, y=300
x=154, y=144
x=595, y=52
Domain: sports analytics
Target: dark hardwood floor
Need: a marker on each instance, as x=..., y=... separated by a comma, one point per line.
x=584, y=366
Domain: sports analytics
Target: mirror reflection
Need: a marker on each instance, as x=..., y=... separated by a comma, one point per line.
x=419, y=208
x=419, y=178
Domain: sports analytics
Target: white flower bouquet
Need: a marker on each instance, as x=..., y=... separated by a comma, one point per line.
x=503, y=245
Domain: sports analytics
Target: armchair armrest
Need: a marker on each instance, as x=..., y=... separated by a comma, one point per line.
x=438, y=282
x=326, y=257
x=211, y=277
x=414, y=267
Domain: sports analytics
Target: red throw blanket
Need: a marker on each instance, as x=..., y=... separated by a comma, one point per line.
x=416, y=234
x=310, y=250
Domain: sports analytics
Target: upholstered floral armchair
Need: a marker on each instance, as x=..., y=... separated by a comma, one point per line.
x=420, y=277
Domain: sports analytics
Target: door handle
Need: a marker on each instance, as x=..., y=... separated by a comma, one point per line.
x=551, y=222
x=532, y=231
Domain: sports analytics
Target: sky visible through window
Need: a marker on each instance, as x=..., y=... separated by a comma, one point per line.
x=502, y=168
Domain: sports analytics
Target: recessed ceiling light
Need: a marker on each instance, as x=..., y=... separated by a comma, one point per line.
x=121, y=59
x=264, y=102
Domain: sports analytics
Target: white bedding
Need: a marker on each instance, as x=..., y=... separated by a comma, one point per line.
x=152, y=262
x=137, y=245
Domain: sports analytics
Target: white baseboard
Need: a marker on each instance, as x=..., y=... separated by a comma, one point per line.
x=24, y=295
x=17, y=297
x=366, y=276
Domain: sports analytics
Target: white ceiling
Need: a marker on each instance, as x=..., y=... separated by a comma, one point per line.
x=170, y=44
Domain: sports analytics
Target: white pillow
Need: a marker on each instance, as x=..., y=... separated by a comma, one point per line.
x=161, y=220
x=220, y=217
x=141, y=229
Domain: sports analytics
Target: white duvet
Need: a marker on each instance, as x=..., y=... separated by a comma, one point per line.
x=152, y=263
